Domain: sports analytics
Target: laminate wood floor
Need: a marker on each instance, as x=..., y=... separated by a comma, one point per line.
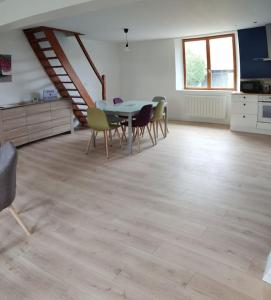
x=189, y=219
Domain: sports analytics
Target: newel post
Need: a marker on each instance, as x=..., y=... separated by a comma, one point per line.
x=103, y=87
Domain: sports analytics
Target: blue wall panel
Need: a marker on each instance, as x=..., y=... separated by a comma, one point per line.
x=253, y=44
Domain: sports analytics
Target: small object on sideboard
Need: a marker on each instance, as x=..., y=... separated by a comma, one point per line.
x=49, y=94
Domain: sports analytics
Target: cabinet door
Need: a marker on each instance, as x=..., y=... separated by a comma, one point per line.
x=250, y=108
x=245, y=98
x=244, y=121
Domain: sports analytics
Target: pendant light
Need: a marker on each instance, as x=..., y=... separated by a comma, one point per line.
x=126, y=48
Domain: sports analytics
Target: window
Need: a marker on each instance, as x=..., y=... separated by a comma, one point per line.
x=210, y=63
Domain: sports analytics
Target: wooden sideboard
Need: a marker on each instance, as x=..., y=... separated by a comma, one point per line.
x=29, y=122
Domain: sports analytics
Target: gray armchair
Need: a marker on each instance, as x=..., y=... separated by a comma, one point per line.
x=8, y=163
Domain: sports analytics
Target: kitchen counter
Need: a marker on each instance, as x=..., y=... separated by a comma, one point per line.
x=255, y=94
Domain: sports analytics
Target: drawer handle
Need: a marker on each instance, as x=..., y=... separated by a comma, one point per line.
x=244, y=117
x=244, y=97
x=244, y=104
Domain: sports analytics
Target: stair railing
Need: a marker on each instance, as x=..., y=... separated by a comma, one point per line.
x=100, y=77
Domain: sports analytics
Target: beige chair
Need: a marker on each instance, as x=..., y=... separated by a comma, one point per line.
x=98, y=122
x=157, y=119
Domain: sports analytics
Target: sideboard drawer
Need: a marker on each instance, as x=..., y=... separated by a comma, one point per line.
x=61, y=129
x=37, y=109
x=15, y=133
x=40, y=135
x=40, y=127
x=14, y=123
x=20, y=140
x=61, y=113
x=13, y=113
x=38, y=118
x=61, y=104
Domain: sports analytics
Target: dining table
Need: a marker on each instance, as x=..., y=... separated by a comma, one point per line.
x=130, y=109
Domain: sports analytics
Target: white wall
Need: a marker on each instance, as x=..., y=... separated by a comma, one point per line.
x=105, y=56
x=29, y=77
x=149, y=70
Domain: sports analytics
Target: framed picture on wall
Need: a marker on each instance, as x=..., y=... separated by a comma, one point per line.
x=5, y=68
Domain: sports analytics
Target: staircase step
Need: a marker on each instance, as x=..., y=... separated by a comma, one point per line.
x=54, y=67
x=62, y=82
x=70, y=90
x=78, y=103
x=80, y=110
x=40, y=40
x=46, y=49
x=56, y=76
x=50, y=57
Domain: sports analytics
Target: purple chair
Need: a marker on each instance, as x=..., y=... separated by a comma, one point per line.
x=117, y=100
x=142, y=121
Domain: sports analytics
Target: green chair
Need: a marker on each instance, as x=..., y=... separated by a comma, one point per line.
x=157, y=119
x=97, y=122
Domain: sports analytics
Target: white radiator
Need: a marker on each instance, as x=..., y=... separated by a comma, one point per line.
x=206, y=107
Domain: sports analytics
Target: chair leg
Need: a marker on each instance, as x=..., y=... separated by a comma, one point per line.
x=166, y=124
x=19, y=221
x=89, y=143
x=106, y=143
x=94, y=138
x=142, y=129
x=156, y=127
x=110, y=138
x=149, y=131
x=138, y=138
x=161, y=127
x=123, y=133
x=154, y=133
x=120, y=137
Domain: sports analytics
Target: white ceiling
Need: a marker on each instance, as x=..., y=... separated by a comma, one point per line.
x=159, y=19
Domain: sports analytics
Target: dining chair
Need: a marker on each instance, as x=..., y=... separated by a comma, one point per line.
x=142, y=121
x=117, y=100
x=98, y=122
x=157, y=119
x=8, y=164
x=158, y=99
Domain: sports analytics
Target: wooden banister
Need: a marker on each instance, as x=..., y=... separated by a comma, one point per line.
x=100, y=77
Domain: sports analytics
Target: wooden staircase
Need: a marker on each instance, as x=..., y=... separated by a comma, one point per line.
x=58, y=68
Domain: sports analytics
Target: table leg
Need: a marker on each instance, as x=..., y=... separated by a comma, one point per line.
x=130, y=135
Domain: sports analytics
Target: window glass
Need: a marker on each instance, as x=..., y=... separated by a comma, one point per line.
x=222, y=63
x=196, y=64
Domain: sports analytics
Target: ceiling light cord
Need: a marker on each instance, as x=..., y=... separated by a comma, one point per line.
x=126, y=30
